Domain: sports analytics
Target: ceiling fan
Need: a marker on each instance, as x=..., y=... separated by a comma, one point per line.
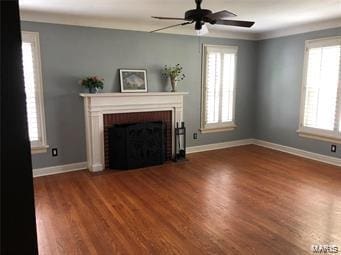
x=201, y=16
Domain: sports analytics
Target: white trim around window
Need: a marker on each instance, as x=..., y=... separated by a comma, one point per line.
x=219, y=68
x=34, y=91
x=320, y=111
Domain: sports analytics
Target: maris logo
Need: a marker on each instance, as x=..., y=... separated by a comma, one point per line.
x=324, y=249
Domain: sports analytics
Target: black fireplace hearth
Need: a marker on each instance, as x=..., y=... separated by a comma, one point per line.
x=136, y=145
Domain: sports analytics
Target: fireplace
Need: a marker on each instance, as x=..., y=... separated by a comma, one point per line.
x=98, y=106
x=136, y=145
x=139, y=117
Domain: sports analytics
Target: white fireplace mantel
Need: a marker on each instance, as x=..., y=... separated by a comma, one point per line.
x=96, y=105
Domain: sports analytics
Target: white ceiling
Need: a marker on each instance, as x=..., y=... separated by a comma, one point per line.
x=272, y=17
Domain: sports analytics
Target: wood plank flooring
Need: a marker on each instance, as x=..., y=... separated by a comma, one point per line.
x=242, y=200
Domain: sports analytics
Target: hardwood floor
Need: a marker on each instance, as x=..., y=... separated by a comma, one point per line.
x=242, y=200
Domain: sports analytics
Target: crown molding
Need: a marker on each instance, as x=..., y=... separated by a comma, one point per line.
x=305, y=28
x=66, y=19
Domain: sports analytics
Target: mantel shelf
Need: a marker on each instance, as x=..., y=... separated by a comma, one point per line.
x=119, y=94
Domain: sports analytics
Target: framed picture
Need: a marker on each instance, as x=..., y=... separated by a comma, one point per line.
x=133, y=80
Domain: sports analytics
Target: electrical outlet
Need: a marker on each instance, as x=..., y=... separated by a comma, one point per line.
x=195, y=135
x=333, y=148
x=54, y=152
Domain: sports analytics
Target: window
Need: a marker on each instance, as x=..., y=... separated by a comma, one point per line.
x=218, y=91
x=34, y=91
x=321, y=90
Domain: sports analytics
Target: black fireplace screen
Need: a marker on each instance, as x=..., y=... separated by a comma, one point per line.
x=136, y=145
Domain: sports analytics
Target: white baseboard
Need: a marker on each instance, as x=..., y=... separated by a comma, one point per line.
x=291, y=150
x=302, y=153
x=59, y=169
x=216, y=146
x=207, y=147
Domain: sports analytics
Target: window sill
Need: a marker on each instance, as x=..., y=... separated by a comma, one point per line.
x=215, y=130
x=39, y=149
x=321, y=137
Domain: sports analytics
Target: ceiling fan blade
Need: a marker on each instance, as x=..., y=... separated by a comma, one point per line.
x=237, y=23
x=169, y=18
x=181, y=24
x=220, y=15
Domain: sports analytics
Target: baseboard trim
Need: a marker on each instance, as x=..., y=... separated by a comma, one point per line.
x=83, y=165
x=207, y=147
x=298, y=152
x=59, y=169
x=217, y=146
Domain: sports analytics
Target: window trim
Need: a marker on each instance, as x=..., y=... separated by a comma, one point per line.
x=40, y=146
x=224, y=126
x=315, y=133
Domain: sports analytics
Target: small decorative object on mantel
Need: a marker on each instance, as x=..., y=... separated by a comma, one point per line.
x=133, y=80
x=93, y=83
x=180, y=142
x=174, y=73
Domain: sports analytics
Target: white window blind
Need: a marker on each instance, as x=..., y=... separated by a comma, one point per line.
x=33, y=90
x=321, y=99
x=219, y=68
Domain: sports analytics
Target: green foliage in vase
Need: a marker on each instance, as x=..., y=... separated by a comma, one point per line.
x=92, y=82
x=173, y=72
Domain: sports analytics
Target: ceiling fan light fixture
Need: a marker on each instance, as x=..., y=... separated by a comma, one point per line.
x=202, y=31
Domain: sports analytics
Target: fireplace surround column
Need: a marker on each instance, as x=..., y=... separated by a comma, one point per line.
x=96, y=151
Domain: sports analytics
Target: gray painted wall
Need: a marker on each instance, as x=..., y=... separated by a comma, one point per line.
x=69, y=53
x=279, y=77
x=268, y=89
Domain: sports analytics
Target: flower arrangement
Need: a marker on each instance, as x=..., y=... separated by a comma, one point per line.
x=93, y=83
x=174, y=73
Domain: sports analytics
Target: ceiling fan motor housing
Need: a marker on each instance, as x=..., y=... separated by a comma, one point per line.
x=197, y=16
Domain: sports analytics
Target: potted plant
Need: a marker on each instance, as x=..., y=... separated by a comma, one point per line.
x=93, y=83
x=174, y=73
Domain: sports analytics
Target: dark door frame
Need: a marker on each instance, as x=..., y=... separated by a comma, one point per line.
x=18, y=225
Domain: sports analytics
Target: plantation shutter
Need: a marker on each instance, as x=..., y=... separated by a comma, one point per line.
x=228, y=87
x=321, y=87
x=33, y=90
x=219, y=85
x=213, y=87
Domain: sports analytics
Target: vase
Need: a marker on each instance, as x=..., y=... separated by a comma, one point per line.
x=173, y=83
x=93, y=90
